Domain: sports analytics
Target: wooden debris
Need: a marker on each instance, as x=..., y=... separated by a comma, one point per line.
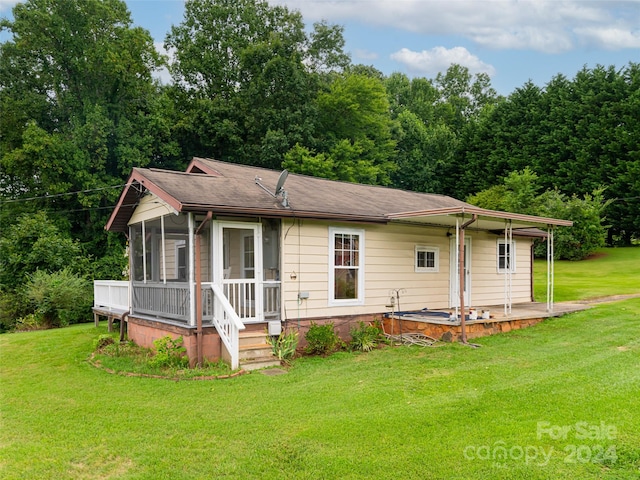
x=412, y=339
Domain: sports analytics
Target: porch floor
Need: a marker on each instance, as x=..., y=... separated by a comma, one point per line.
x=436, y=323
x=521, y=311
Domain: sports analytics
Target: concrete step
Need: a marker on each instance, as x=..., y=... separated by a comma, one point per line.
x=259, y=363
x=251, y=338
x=248, y=352
x=254, y=352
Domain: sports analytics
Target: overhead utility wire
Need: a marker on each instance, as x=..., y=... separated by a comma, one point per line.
x=63, y=194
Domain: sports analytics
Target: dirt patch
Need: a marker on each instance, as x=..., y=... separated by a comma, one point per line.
x=596, y=256
x=611, y=298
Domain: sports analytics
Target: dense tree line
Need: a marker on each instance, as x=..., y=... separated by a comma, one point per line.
x=250, y=84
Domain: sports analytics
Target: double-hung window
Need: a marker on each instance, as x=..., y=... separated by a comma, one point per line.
x=506, y=256
x=426, y=259
x=346, y=266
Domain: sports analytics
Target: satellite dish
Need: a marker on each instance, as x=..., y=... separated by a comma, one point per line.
x=281, y=180
x=280, y=191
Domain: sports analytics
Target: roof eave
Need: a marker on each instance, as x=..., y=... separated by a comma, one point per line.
x=482, y=212
x=115, y=222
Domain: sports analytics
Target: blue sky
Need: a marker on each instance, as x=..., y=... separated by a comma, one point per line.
x=511, y=40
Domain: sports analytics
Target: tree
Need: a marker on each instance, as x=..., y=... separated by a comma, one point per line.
x=33, y=243
x=354, y=132
x=462, y=95
x=76, y=80
x=422, y=151
x=246, y=75
x=519, y=193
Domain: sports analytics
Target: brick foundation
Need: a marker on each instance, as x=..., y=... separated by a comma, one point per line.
x=144, y=332
x=342, y=325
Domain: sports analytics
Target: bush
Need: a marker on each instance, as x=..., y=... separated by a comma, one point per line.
x=35, y=243
x=60, y=298
x=14, y=306
x=103, y=341
x=284, y=345
x=321, y=339
x=365, y=338
x=30, y=322
x=169, y=353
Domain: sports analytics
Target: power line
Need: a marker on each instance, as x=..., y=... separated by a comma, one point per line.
x=42, y=197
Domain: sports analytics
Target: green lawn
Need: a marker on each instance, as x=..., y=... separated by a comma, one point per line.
x=612, y=271
x=400, y=412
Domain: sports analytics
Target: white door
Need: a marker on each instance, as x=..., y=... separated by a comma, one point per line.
x=454, y=282
x=238, y=268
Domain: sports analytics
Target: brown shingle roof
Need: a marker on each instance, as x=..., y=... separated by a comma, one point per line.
x=229, y=188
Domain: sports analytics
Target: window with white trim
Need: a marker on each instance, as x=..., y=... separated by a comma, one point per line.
x=506, y=256
x=346, y=266
x=426, y=259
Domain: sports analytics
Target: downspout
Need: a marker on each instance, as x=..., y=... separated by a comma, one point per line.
x=199, y=353
x=461, y=271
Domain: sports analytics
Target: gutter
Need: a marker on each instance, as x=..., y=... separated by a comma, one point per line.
x=199, y=353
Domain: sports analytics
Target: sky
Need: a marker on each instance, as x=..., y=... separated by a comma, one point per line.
x=513, y=41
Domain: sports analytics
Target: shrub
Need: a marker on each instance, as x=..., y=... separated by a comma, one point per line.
x=365, y=337
x=284, y=345
x=169, y=353
x=60, y=298
x=102, y=341
x=14, y=307
x=321, y=339
x=29, y=322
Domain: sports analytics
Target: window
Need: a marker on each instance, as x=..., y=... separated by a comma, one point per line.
x=346, y=266
x=426, y=259
x=506, y=256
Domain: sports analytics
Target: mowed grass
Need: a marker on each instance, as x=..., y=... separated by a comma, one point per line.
x=611, y=271
x=404, y=412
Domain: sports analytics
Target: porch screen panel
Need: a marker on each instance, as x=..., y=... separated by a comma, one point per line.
x=137, y=250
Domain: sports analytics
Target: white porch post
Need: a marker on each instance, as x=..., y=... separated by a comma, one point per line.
x=550, y=268
x=144, y=253
x=457, y=265
x=164, y=257
x=192, y=269
x=508, y=268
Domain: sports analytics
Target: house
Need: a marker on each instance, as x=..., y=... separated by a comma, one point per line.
x=223, y=248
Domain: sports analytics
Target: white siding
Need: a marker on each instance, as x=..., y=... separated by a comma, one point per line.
x=488, y=286
x=150, y=207
x=390, y=265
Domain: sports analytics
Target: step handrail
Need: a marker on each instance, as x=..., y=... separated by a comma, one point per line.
x=227, y=323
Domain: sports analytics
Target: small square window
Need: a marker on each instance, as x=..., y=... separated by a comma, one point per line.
x=506, y=257
x=426, y=259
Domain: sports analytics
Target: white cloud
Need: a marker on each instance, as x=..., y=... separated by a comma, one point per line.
x=365, y=54
x=610, y=38
x=438, y=59
x=7, y=4
x=549, y=26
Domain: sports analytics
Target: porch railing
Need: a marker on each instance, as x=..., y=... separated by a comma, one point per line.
x=241, y=294
x=227, y=323
x=111, y=294
x=271, y=299
x=170, y=300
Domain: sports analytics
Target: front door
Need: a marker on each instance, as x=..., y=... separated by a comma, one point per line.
x=454, y=283
x=239, y=268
